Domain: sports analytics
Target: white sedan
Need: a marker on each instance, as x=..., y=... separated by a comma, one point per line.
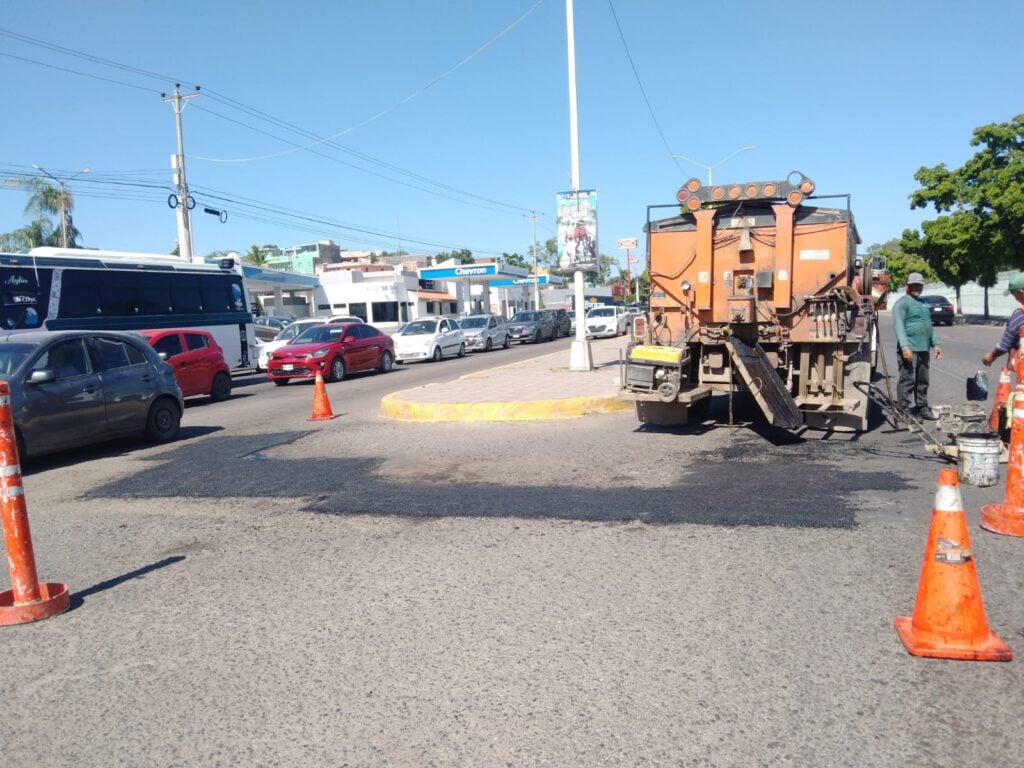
x=429, y=338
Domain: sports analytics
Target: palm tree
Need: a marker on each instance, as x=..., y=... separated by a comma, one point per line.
x=256, y=256
x=40, y=232
x=45, y=199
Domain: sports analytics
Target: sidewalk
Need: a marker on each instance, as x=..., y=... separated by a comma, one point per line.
x=536, y=389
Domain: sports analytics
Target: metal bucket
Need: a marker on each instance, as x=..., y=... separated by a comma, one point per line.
x=978, y=457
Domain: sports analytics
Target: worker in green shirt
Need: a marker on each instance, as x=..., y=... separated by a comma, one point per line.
x=915, y=337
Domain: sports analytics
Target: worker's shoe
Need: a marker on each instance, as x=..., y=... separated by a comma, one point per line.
x=927, y=414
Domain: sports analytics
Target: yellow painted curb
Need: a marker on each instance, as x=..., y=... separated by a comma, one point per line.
x=391, y=407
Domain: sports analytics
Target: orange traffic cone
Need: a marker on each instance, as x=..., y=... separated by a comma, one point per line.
x=995, y=423
x=949, y=617
x=321, y=405
x=1008, y=518
x=28, y=599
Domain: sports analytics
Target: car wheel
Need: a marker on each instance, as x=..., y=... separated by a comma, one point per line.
x=19, y=441
x=507, y=343
x=385, y=362
x=399, y=362
x=462, y=350
x=337, y=369
x=436, y=357
x=536, y=337
x=221, y=389
x=489, y=345
x=555, y=334
x=163, y=422
x=279, y=382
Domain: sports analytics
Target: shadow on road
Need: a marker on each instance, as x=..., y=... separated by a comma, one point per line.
x=78, y=598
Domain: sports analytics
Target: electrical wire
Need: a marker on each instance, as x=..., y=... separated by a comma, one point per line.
x=643, y=91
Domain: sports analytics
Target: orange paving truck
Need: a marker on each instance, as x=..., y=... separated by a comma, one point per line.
x=755, y=287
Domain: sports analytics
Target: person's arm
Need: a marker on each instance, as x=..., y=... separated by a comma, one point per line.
x=1008, y=339
x=899, y=312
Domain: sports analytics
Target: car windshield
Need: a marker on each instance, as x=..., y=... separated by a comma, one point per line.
x=420, y=327
x=319, y=334
x=934, y=299
x=474, y=322
x=292, y=331
x=525, y=317
x=12, y=355
x=601, y=312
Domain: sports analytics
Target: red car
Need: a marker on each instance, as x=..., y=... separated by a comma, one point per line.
x=197, y=360
x=333, y=351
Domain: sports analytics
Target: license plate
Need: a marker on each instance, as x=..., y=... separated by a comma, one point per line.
x=287, y=367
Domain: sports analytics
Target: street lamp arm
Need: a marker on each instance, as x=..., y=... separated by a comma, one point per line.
x=733, y=154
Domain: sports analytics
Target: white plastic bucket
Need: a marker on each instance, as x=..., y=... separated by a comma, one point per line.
x=978, y=457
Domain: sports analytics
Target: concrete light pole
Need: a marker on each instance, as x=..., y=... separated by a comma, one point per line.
x=178, y=165
x=536, y=277
x=63, y=201
x=580, y=358
x=710, y=168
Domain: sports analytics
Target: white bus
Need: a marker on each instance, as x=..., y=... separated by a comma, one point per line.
x=59, y=289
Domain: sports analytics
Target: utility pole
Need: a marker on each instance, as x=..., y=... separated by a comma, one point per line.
x=580, y=358
x=64, y=213
x=178, y=166
x=536, y=277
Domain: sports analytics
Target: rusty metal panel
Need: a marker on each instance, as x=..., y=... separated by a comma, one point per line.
x=764, y=383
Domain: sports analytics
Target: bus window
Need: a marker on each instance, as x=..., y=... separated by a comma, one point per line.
x=155, y=293
x=216, y=290
x=120, y=294
x=80, y=295
x=185, y=296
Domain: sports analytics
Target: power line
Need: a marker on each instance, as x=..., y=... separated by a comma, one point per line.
x=643, y=92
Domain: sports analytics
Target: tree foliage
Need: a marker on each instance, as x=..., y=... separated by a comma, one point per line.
x=980, y=226
x=463, y=256
x=901, y=259
x=255, y=256
x=45, y=201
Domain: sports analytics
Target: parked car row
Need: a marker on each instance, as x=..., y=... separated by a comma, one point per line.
x=72, y=388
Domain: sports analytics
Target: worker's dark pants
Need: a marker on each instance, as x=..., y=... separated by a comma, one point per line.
x=913, y=385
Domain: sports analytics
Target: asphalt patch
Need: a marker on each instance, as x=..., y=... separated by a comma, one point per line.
x=728, y=487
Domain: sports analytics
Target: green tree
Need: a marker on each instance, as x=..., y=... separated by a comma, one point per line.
x=984, y=199
x=463, y=256
x=38, y=232
x=516, y=260
x=46, y=200
x=256, y=256
x=901, y=258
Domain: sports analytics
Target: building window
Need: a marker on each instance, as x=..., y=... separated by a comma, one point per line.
x=430, y=308
x=358, y=309
x=385, y=311
x=405, y=312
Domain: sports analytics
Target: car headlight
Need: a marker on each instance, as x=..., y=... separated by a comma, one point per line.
x=320, y=352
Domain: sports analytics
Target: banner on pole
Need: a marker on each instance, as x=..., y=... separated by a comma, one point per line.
x=577, y=231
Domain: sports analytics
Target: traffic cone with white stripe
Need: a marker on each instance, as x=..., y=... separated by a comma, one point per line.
x=28, y=599
x=995, y=420
x=949, y=617
x=1008, y=518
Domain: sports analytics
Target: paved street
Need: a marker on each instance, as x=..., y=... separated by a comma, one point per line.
x=363, y=592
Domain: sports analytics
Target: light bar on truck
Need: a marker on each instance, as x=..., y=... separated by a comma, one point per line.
x=693, y=194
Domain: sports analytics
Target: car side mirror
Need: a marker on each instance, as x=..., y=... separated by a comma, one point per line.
x=45, y=376
x=163, y=355
x=348, y=339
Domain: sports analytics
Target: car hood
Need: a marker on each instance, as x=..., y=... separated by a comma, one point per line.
x=301, y=350
x=417, y=340
x=524, y=324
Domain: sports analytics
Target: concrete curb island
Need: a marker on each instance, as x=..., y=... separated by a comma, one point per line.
x=539, y=389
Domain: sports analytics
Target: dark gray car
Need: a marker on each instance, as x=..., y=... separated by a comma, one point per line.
x=531, y=325
x=72, y=388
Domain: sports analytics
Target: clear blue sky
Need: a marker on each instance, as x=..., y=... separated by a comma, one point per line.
x=451, y=118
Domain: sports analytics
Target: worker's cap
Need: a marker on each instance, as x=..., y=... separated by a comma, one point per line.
x=1015, y=284
x=915, y=278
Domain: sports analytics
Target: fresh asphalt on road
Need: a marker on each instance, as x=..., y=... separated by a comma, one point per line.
x=364, y=592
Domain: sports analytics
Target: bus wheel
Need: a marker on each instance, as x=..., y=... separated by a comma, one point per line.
x=163, y=422
x=221, y=389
